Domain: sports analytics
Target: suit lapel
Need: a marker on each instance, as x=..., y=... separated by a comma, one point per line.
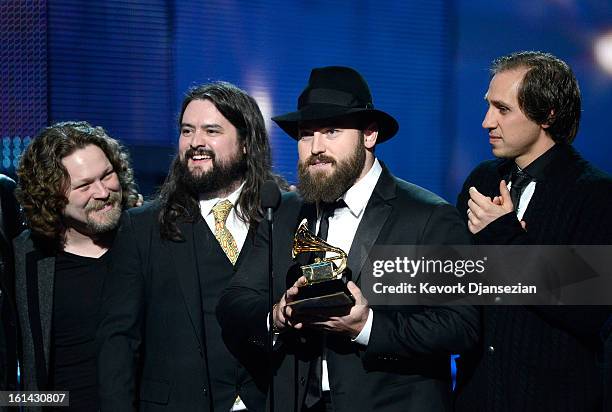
x=46, y=276
x=185, y=262
x=40, y=273
x=374, y=218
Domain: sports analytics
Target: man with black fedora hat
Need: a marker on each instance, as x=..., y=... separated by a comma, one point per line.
x=367, y=358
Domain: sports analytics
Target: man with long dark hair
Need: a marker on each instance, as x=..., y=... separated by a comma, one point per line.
x=176, y=255
x=535, y=358
x=74, y=181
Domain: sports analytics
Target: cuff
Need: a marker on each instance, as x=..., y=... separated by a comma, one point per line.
x=364, y=336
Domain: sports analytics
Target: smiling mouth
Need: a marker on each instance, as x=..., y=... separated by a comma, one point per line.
x=200, y=157
x=105, y=208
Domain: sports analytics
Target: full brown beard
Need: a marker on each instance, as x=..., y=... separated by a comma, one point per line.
x=322, y=187
x=220, y=176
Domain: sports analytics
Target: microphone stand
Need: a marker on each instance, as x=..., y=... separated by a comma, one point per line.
x=270, y=201
x=269, y=218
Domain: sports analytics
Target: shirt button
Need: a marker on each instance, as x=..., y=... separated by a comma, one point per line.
x=205, y=391
x=498, y=299
x=302, y=380
x=491, y=350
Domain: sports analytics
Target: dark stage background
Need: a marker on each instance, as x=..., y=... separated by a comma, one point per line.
x=125, y=65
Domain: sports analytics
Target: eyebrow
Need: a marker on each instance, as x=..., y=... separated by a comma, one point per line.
x=498, y=103
x=86, y=181
x=204, y=126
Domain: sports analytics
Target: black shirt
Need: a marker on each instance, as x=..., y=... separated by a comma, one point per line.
x=76, y=302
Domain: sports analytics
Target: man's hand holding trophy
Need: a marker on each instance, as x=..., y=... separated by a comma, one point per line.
x=321, y=298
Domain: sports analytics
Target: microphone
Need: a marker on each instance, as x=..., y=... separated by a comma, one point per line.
x=270, y=198
x=270, y=201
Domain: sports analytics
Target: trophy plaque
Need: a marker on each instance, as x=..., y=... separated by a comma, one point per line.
x=326, y=284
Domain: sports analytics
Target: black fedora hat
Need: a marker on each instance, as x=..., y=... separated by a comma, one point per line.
x=337, y=92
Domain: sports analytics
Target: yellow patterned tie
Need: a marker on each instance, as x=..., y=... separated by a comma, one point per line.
x=226, y=240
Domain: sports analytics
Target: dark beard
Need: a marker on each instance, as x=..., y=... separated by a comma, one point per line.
x=218, y=178
x=320, y=187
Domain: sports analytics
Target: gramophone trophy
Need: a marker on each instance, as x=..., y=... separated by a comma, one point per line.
x=325, y=284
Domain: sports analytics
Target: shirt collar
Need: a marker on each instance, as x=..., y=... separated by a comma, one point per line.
x=206, y=205
x=358, y=195
x=537, y=168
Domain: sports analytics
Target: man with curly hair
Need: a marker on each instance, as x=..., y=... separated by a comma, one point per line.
x=74, y=181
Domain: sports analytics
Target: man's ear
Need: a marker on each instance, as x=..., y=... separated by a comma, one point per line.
x=550, y=120
x=370, y=135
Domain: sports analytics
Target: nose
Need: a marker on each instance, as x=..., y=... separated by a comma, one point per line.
x=318, y=144
x=100, y=190
x=198, y=139
x=489, y=120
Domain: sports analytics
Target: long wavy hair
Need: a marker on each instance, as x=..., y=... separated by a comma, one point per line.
x=178, y=203
x=44, y=181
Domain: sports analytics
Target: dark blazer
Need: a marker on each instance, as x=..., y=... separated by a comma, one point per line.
x=541, y=358
x=34, y=278
x=406, y=363
x=159, y=340
x=10, y=225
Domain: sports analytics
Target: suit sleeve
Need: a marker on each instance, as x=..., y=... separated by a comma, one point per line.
x=119, y=332
x=242, y=310
x=243, y=307
x=595, y=227
x=431, y=330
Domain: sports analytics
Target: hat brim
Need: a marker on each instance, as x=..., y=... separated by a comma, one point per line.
x=387, y=125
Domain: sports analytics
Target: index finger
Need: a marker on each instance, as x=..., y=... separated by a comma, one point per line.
x=478, y=198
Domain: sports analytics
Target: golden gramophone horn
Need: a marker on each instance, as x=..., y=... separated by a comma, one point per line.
x=305, y=241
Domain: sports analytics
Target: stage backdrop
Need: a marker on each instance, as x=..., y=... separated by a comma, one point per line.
x=126, y=64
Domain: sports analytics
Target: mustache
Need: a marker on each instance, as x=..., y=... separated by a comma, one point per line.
x=95, y=204
x=321, y=158
x=199, y=151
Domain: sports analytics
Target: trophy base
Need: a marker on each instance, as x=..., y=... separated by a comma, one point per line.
x=326, y=294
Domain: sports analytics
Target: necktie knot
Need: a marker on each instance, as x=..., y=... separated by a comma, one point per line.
x=519, y=180
x=327, y=210
x=221, y=211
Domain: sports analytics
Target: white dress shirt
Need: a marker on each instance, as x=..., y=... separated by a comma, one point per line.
x=524, y=199
x=342, y=228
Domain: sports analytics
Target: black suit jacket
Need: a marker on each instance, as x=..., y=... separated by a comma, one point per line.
x=406, y=363
x=159, y=341
x=10, y=225
x=541, y=358
x=34, y=277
